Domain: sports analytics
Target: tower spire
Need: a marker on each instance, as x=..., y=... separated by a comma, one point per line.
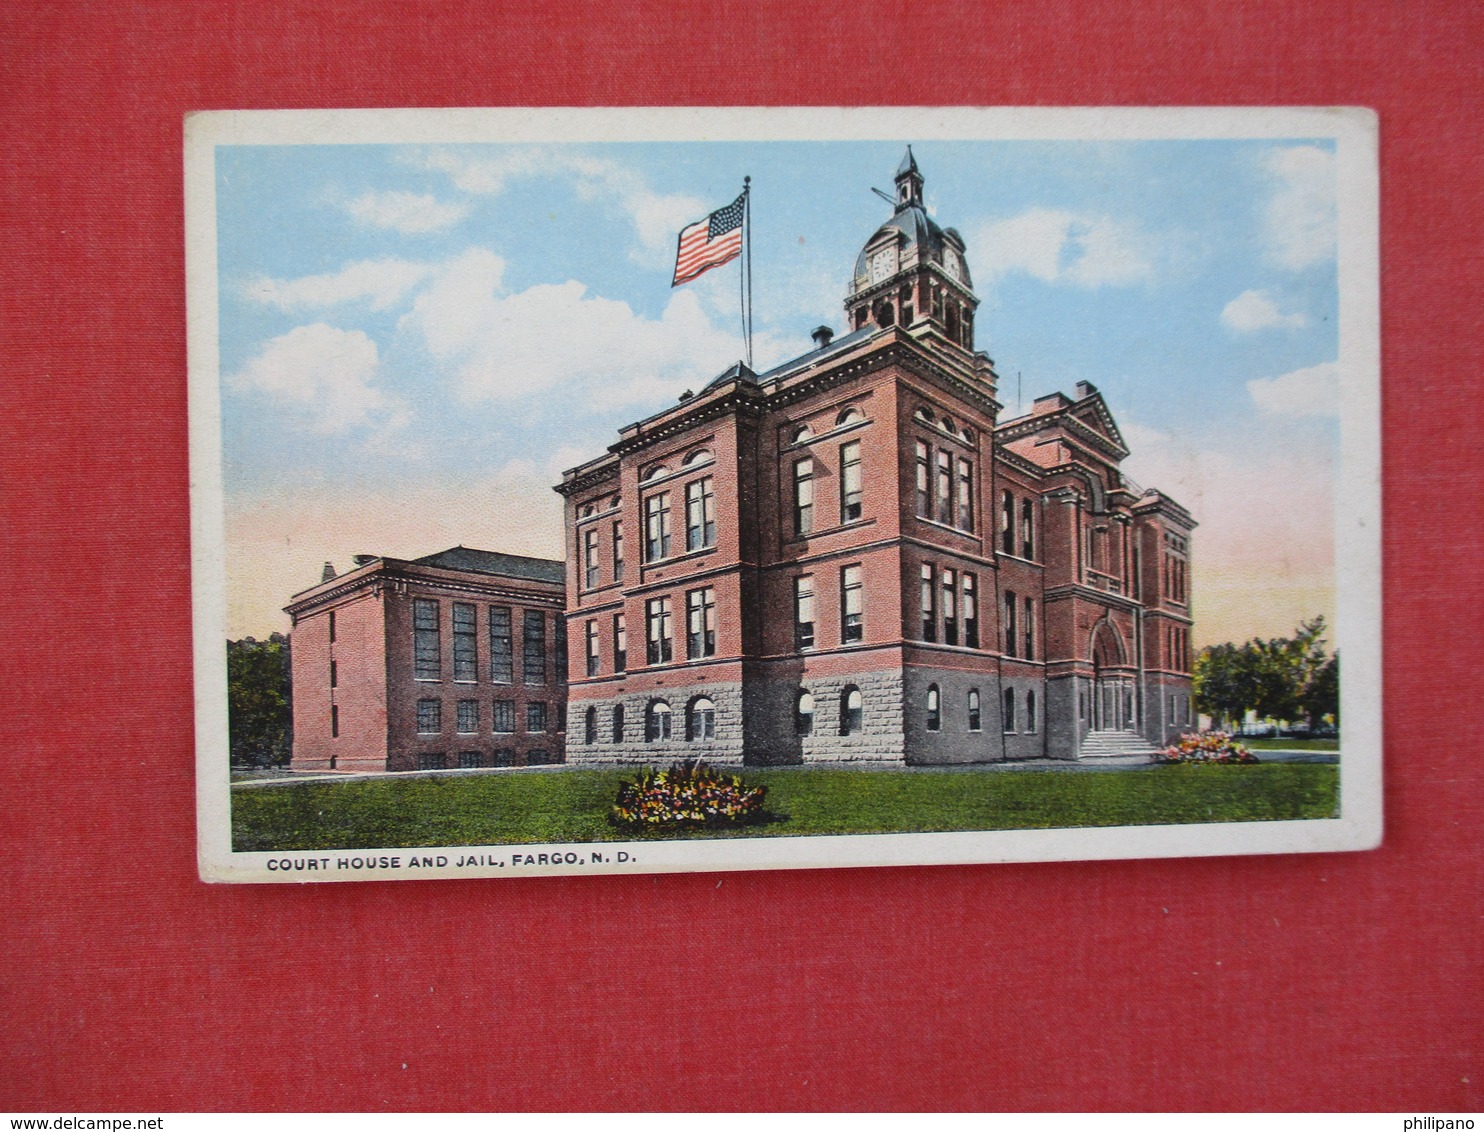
x=909, y=183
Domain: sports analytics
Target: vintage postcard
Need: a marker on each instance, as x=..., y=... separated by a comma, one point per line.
x=582, y=491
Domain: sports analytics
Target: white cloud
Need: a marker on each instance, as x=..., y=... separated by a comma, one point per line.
x=326, y=376
x=504, y=346
x=1299, y=218
x=409, y=213
x=657, y=217
x=1256, y=310
x=382, y=283
x=1310, y=392
x=1057, y=246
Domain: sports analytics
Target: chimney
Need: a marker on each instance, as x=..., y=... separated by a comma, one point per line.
x=821, y=336
x=328, y=573
x=363, y=560
x=1085, y=389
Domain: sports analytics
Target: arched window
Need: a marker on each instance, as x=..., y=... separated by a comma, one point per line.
x=804, y=714
x=1027, y=530
x=1030, y=712
x=698, y=456
x=589, y=509
x=924, y=414
x=653, y=472
x=618, y=723
x=801, y=434
x=1009, y=709
x=590, y=725
x=852, y=710
x=849, y=416
x=1007, y=522
x=700, y=719
x=886, y=315
x=934, y=709
x=613, y=502
x=657, y=725
x=949, y=426
x=974, y=709
x=968, y=435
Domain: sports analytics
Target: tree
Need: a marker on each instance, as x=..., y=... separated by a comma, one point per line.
x=1280, y=678
x=259, y=697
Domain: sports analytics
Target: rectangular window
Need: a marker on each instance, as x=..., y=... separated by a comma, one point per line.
x=971, y=611
x=950, y=607
x=700, y=515
x=504, y=722
x=427, y=648
x=593, y=654
x=618, y=552
x=465, y=643
x=536, y=716
x=334, y=675
x=620, y=644
x=852, y=625
x=850, y=482
x=468, y=717
x=429, y=717
x=1009, y=624
x=334, y=721
x=431, y=762
x=1030, y=629
x=803, y=496
x=965, y=495
x=590, y=558
x=502, y=654
x=559, y=647
x=657, y=527
x=1007, y=523
x=928, y=596
x=1027, y=530
x=944, y=510
x=561, y=716
x=332, y=627
x=700, y=623
x=924, y=475
x=533, y=650
x=468, y=760
x=804, y=612
x=658, y=630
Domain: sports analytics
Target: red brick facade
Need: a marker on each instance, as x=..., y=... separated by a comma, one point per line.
x=449, y=661
x=850, y=557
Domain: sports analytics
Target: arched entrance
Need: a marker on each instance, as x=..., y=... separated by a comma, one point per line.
x=1113, y=699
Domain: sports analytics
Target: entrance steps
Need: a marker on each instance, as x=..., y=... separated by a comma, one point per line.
x=1126, y=746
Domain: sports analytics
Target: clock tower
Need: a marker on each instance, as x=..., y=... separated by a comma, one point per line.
x=912, y=273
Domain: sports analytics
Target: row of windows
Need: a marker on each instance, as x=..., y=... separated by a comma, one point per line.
x=852, y=608
x=591, y=556
x=1007, y=714
x=700, y=526
x=1177, y=647
x=852, y=494
x=594, y=646
x=700, y=627
x=1023, y=642
x=1174, y=577
x=468, y=760
x=539, y=717
x=1017, y=538
x=427, y=644
x=952, y=600
x=945, y=487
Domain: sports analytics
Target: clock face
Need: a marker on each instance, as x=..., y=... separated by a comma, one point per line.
x=883, y=263
x=952, y=265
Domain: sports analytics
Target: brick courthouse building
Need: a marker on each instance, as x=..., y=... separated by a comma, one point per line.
x=851, y=557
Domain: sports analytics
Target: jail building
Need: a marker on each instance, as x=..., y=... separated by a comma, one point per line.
x=455, y=660
x=853, y=557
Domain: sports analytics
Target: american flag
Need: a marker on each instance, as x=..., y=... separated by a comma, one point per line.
x=710, y=243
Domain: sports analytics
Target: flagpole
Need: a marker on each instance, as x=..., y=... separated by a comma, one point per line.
x=746, y=271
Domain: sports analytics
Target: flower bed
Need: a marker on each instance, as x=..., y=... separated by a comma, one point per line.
x=1207, y=747
x=690, y=793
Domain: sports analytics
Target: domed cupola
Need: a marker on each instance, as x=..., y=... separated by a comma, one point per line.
x=913, y=273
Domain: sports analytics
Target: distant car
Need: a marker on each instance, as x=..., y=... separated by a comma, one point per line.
x=1258, y=730
x=1296, y=731
x=1325, y=731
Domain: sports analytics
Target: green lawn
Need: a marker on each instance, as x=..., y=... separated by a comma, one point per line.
x=1291, y=744
x=572, y=806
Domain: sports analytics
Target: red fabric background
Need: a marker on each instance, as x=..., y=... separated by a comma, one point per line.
x=1326, y=982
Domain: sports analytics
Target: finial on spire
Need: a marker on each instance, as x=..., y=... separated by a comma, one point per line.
x=909, y=182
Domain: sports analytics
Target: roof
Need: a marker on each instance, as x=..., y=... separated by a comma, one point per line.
x=501, y=565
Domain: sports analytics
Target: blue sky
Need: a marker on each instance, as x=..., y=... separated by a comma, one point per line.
x=415, y=340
